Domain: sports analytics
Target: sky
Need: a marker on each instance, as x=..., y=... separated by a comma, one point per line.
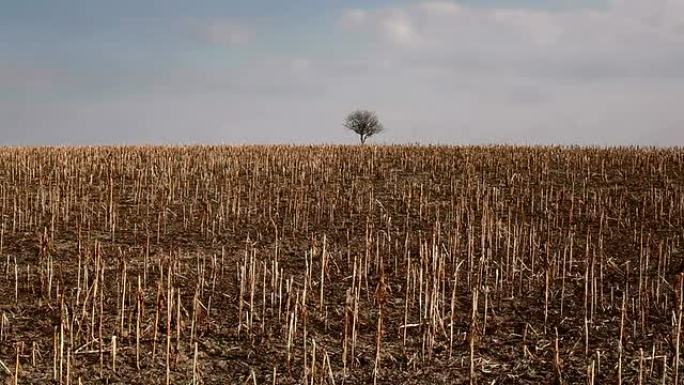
x=587, y=72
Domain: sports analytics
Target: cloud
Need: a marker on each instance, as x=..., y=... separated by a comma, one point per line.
x=300, y=66
x=516, y=74
x=441, y=7
x=398, y=27
x=630, y=38
x=435, y=72
x=353, y=17
x=540, y=28
x=393, y=24
x=223, y=32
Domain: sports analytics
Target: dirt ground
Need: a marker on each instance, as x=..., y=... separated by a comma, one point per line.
x=341, y=264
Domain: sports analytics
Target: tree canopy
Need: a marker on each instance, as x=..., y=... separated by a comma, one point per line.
x=364, y=123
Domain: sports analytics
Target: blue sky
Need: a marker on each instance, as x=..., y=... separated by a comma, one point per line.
x=489, y=71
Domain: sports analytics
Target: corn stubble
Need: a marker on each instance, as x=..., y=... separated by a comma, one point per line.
x=341, y=265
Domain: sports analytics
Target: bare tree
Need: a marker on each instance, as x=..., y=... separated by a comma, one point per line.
x=364, y=123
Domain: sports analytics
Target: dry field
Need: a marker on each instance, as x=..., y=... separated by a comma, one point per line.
x=341, y=265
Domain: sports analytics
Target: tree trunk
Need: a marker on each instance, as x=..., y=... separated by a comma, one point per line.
x=363, y=139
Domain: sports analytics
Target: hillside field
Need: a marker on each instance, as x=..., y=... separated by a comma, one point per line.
x=341, y=265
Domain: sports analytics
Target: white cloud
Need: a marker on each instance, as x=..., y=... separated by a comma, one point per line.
x=223, y=32
x=441, y=7
x=626, y=39
x=398, y=28
x=301, y=67
x=466, y=73
x=353, y=17
x=539, y=27
x=436, y=72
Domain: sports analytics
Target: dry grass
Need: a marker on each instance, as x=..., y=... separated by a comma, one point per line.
x=276, y=264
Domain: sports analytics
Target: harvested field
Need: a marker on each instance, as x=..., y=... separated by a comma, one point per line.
x=341, y=265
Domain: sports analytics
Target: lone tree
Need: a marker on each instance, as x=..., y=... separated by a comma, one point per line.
x=364, y=123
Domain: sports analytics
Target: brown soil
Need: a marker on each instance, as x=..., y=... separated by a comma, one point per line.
x=439, y=262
